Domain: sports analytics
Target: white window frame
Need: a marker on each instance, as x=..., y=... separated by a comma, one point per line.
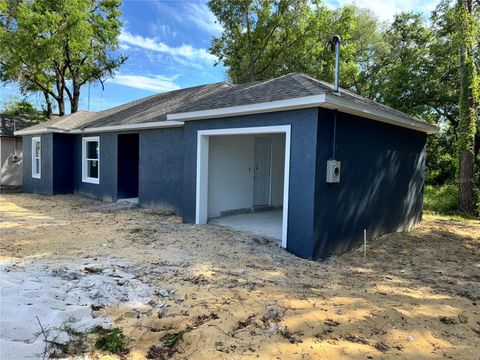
x=203, y=137
x=85, y=178
x=36, y=174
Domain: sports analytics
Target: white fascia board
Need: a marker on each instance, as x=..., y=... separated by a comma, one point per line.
x=39, y=131
x=347, y=106
x=323, y=100
x=150, y=125
x=288, y=104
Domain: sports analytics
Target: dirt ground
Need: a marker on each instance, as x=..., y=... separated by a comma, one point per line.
x=239, y=296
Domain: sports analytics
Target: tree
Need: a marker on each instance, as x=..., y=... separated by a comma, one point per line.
x=56, y=47
x=269, y=38
x=467, y=36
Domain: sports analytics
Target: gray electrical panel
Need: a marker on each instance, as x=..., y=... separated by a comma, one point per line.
x=333, y=171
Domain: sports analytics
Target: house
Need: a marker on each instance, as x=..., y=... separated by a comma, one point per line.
x=286, y=156
x=11, y=169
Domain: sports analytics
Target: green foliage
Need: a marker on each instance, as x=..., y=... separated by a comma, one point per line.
x=412, y=64
x=441, y=199
x=113, y=341
x=21, y=107
x=441, y=163
x=171, y=340
x=269, y=38
x=58, y=46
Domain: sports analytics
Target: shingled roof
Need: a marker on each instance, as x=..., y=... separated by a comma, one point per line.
x=185, y=103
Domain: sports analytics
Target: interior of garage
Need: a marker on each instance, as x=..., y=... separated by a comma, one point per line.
x=246, y=182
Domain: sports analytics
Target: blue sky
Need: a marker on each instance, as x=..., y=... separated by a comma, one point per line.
x=167, y=42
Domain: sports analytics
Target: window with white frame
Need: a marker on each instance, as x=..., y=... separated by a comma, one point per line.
x=91, y=160
x=36, y=157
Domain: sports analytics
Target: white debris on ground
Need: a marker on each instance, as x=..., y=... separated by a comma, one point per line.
x=60, y=296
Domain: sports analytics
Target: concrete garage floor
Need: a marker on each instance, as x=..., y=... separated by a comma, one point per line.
x=266, y=223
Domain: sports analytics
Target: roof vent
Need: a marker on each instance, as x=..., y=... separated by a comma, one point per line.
x=336, y=48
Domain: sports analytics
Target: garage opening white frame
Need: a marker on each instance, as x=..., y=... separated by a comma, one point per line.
x=201, y=209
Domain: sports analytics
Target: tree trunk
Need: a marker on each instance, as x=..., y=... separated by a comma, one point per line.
x=61, y=106
x=75, y=98
x=466, y=192
x=48, y=102
x=467, y=122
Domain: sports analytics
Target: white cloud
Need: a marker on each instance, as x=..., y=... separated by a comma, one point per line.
x=386, y=9
x=155, y=83
x=202, y=17
x=184, y=51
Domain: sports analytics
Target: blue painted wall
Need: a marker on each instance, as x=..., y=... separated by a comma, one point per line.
x=106, y=190
x=44, y=185
x=161, y=169
x=381, y=186
x=302, y=169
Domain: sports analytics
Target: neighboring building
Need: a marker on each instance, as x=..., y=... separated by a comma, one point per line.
x=11, y=169
x=223, y=152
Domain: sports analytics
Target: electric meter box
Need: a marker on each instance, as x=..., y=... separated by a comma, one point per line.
x=333, y=171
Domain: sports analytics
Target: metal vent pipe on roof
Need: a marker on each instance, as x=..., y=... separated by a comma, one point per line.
x=336, y=48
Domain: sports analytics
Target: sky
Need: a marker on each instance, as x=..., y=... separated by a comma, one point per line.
x=167, y=43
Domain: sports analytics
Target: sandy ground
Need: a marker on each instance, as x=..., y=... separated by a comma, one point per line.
x=417, y=295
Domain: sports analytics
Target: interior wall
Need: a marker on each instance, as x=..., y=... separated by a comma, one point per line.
x=231, y=164
x=230, y=173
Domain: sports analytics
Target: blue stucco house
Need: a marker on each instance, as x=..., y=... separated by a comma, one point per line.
x=325, y=165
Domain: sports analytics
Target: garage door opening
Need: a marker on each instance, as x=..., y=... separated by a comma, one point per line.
x=242, y=179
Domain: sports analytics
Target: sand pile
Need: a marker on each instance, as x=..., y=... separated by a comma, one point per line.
x=60, y=298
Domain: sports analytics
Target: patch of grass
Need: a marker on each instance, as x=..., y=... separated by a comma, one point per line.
x=136, y=230
x=441, y=199
x=111, y=340
x=171, y=340
x=168, y=347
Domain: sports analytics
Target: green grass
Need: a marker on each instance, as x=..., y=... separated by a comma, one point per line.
x=441, y=199
x=111, y=340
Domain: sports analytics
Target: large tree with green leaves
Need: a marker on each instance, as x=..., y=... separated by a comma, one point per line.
x=468, y=33
x=56, y=47
x=268, y=38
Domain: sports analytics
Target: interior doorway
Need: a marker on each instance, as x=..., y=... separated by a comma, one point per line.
x=128, y=164
x=262, y=177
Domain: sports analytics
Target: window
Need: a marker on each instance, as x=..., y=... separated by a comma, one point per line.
x=36, y=157
x=91, y=160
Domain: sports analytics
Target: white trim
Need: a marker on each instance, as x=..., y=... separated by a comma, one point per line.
x=39, y=131
x=85, y=178
x=201, y=196
x=325, y=101
x=338, y=103
x=149, y=125
x=279, y=105
x=35, y=175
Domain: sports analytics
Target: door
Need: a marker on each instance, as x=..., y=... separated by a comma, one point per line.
x=262, y=171
x=128, y=166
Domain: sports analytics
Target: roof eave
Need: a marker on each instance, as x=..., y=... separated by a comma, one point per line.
x=128, y=127
x=272, y=106
x=347, y=106
x=322, y=100
x=39, y=131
